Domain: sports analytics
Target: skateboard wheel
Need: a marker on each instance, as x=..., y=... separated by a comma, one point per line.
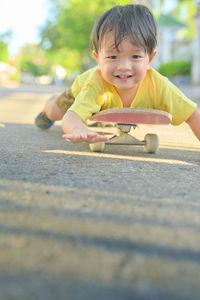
x=151, y=143
x=97, y=147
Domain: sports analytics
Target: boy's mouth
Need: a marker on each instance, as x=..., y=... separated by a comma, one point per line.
x=123, y=76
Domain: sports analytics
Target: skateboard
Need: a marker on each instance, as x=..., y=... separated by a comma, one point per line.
x=126, y=119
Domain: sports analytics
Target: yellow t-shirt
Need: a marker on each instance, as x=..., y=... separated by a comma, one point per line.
x=92, y=94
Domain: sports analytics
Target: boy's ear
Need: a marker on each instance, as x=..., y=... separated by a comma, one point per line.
x=151, y=57
x=95, y=54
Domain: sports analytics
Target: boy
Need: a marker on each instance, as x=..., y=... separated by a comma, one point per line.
x=124, y=41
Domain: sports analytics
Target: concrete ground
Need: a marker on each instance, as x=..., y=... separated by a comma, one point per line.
x=78, y=225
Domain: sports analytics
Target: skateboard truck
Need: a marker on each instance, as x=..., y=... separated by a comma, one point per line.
x=124, y=137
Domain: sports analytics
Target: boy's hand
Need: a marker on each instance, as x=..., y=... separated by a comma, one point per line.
x=76, y=131
x=88, y=136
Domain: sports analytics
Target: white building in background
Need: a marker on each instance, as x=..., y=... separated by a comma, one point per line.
x=168, y=27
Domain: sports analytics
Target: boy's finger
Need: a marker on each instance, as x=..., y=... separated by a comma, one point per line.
x=92, y=134
x=71, y=138
x=83, y=137
x=98, y=138
x=103, y=138
x=67, y=137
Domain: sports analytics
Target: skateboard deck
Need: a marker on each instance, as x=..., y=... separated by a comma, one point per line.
x=133, y=116
x=125, y=119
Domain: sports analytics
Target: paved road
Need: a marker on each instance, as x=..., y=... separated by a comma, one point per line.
x=77, y=225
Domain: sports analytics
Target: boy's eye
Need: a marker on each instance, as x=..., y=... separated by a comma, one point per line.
x=112, y=56
x=135, y=56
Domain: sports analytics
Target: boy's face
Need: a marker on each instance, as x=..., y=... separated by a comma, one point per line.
x=124, y=68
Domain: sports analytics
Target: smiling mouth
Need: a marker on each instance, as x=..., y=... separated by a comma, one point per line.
x=123, y=76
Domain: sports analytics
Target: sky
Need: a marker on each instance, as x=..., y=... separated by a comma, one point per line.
x=23, y=18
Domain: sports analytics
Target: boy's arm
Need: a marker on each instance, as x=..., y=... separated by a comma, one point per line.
x=76, y=131
x=194, y=122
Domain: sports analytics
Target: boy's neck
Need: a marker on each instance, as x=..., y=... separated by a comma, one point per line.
x=127, y=96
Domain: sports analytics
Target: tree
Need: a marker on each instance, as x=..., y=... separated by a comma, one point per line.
x=4, y=40
x=4, y=55
x=185, y=12
x=32, y=59
x=66, y=36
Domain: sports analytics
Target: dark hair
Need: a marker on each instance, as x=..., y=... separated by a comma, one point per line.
x=134, y=21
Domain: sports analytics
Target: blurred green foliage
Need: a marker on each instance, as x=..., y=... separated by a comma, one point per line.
x=4, y=55
x=175, y=68
x=34, y=69
x=66, y=36
x=185, y=11
x=32, y=59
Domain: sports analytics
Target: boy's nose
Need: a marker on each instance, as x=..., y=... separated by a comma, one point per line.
x=123, y=64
